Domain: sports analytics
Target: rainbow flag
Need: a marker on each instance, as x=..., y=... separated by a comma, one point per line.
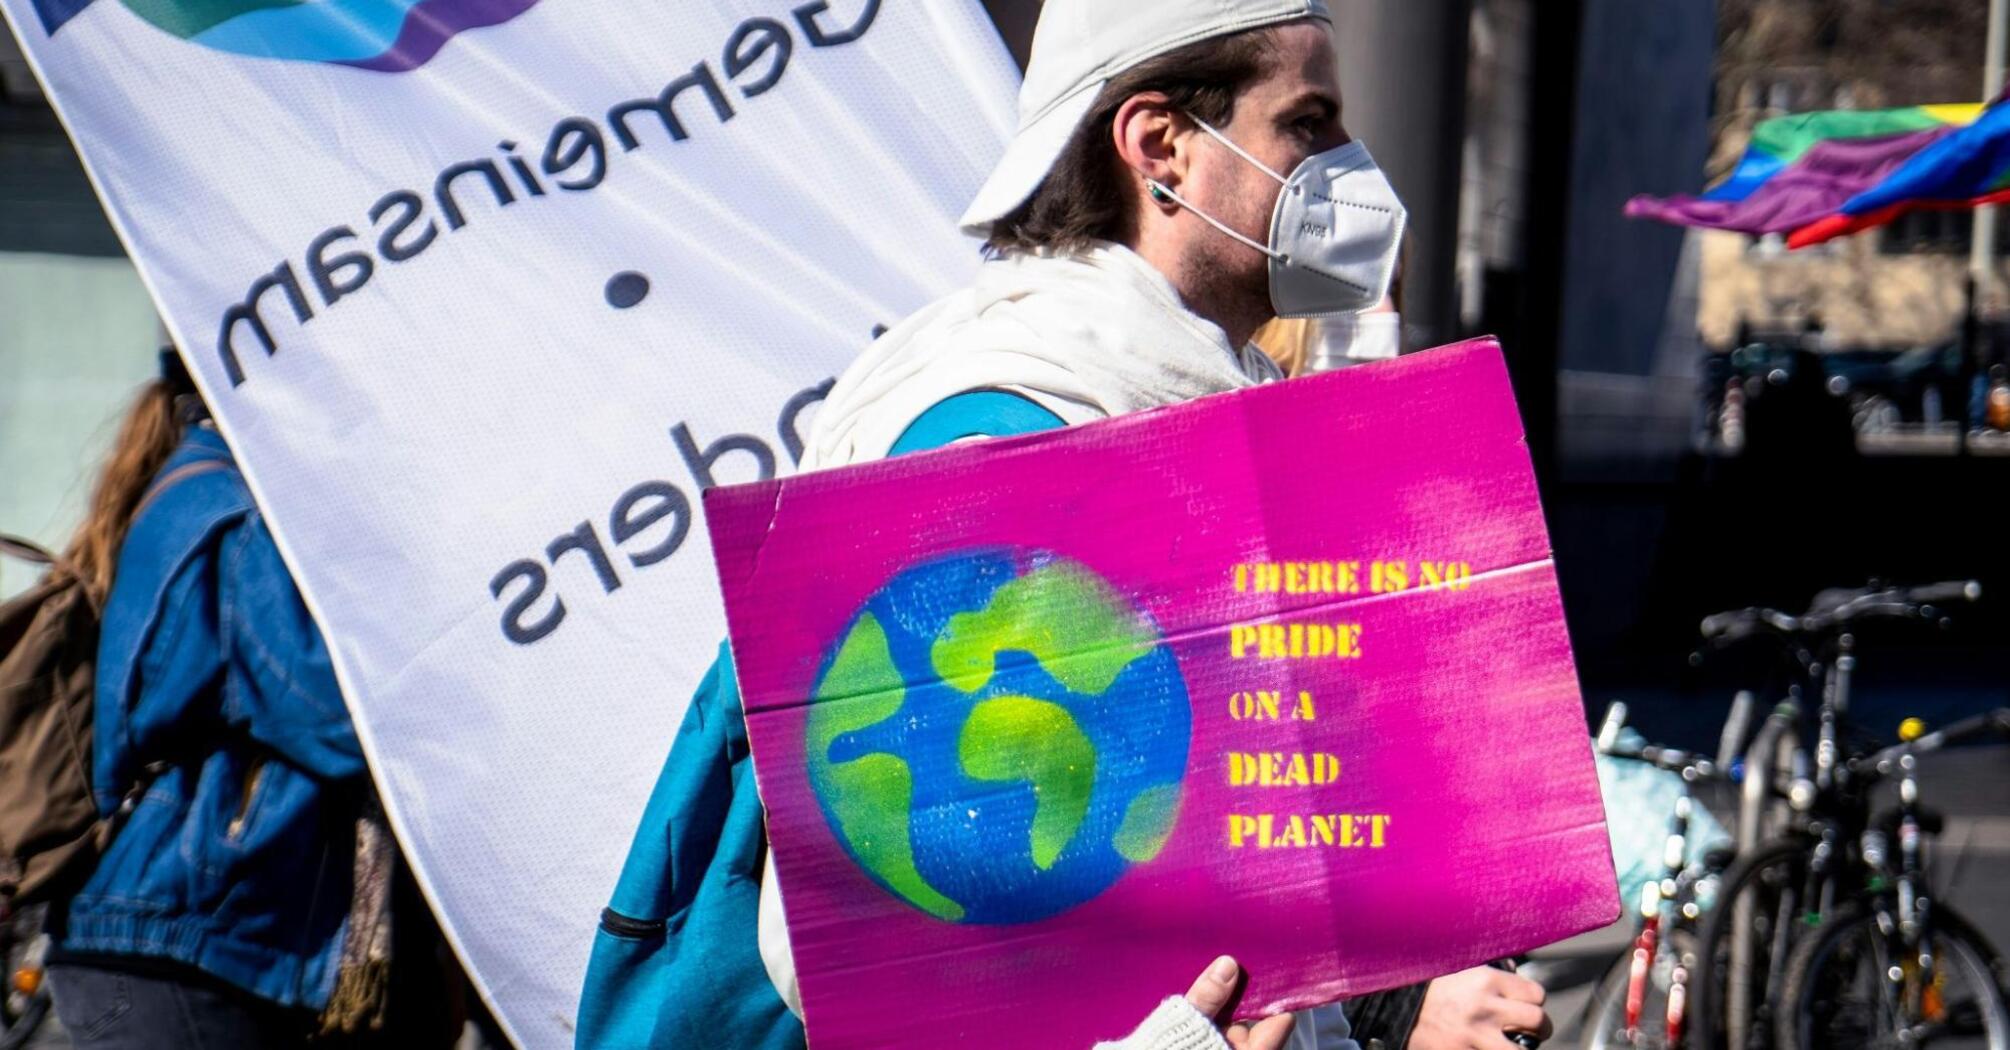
x=1966, y=169
x=1802, y=168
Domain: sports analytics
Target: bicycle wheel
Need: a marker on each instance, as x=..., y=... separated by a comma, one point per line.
x=22, y=1025
x=1837, y=995
x=1605, y=1018
x=1759, y=897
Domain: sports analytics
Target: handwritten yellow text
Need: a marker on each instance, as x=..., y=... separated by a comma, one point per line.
x=1268, y=706
x=1293, y=831
x=1279, y=769
x=1295, y=641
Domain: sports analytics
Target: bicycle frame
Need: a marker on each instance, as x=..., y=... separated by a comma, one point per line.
x=1657, y=905
x=1821, y=796
x=1772, y=750
x=1667, y=901
x=1904, y=910
x=1815, y=789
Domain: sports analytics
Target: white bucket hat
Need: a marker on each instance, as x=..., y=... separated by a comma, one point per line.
x=1078, y=47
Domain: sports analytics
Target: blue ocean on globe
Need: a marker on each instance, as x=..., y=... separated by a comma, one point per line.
x=998, y=736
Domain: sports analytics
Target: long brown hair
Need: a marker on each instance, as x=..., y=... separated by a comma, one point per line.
x=148, y=435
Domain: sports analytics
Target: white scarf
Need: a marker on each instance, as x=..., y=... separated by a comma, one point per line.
x=1086, y=335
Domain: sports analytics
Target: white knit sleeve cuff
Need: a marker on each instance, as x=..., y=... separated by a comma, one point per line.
x=1175, y=1025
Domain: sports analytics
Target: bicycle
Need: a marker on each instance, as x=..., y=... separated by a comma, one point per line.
x=1894, y=967
x=1785, y=885
x=1650, y=982
x=1759, y=907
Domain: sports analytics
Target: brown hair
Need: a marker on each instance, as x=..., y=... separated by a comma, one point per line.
x=1084, y=197
x=148, y=435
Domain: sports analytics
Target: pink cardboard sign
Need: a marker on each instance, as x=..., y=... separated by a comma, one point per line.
x=1043, y=724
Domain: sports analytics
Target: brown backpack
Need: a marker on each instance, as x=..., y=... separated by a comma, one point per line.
x=51, y=833
x=50, y=830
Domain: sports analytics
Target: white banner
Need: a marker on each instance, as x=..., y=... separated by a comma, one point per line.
x=483, y=292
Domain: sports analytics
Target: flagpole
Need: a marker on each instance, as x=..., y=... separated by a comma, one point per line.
x=1982, y=250
x=1971, y=352
x=1982, y=246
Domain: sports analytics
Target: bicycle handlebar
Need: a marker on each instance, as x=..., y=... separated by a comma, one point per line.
x=1688, y=763
x=1840, y=611
x=1989, y=722
x=1671, y=759
x=1946, y=593
x=1725, y=628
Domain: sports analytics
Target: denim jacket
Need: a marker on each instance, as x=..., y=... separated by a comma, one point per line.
x=216, y=696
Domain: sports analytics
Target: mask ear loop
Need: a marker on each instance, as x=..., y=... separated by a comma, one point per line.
x=1239, y=151
x=1160, y=191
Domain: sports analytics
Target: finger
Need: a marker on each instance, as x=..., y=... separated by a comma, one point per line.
x=1215, y=988
x=1521, y=989
x=1519, y=1017
x=1267, y=1034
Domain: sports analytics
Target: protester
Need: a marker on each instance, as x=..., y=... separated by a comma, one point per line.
x=245, y=899
x=1180, y=176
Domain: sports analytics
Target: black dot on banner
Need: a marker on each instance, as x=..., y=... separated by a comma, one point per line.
x=626, y=288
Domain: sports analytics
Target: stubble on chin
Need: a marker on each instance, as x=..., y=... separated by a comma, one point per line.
x=1228, y=282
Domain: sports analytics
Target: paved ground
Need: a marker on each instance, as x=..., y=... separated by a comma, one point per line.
x=1971, y=786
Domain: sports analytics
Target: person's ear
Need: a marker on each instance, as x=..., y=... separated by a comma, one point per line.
x=1150, y=138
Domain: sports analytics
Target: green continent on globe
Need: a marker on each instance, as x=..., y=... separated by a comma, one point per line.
x=998, y=736
x=1148, y=823
x=1019, y=738
x=870, y=795
x=1068, y=619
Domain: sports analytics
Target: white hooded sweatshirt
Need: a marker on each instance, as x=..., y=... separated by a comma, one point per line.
x=1086, y=335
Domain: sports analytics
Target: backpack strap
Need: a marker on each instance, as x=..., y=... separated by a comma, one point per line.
x=24, y=549
x=206, y=465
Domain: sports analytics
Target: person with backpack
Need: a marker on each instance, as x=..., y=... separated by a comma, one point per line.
x=243, y=894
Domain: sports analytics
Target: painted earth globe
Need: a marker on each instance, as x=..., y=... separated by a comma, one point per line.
x=998, y=735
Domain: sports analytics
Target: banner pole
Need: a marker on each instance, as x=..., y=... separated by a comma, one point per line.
x=1971, y=348
x=1982, y=247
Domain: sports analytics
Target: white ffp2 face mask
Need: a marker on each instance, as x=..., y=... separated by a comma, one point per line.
x=1334, y=235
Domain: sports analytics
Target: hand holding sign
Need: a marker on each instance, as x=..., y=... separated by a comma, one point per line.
x=1214, y=994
